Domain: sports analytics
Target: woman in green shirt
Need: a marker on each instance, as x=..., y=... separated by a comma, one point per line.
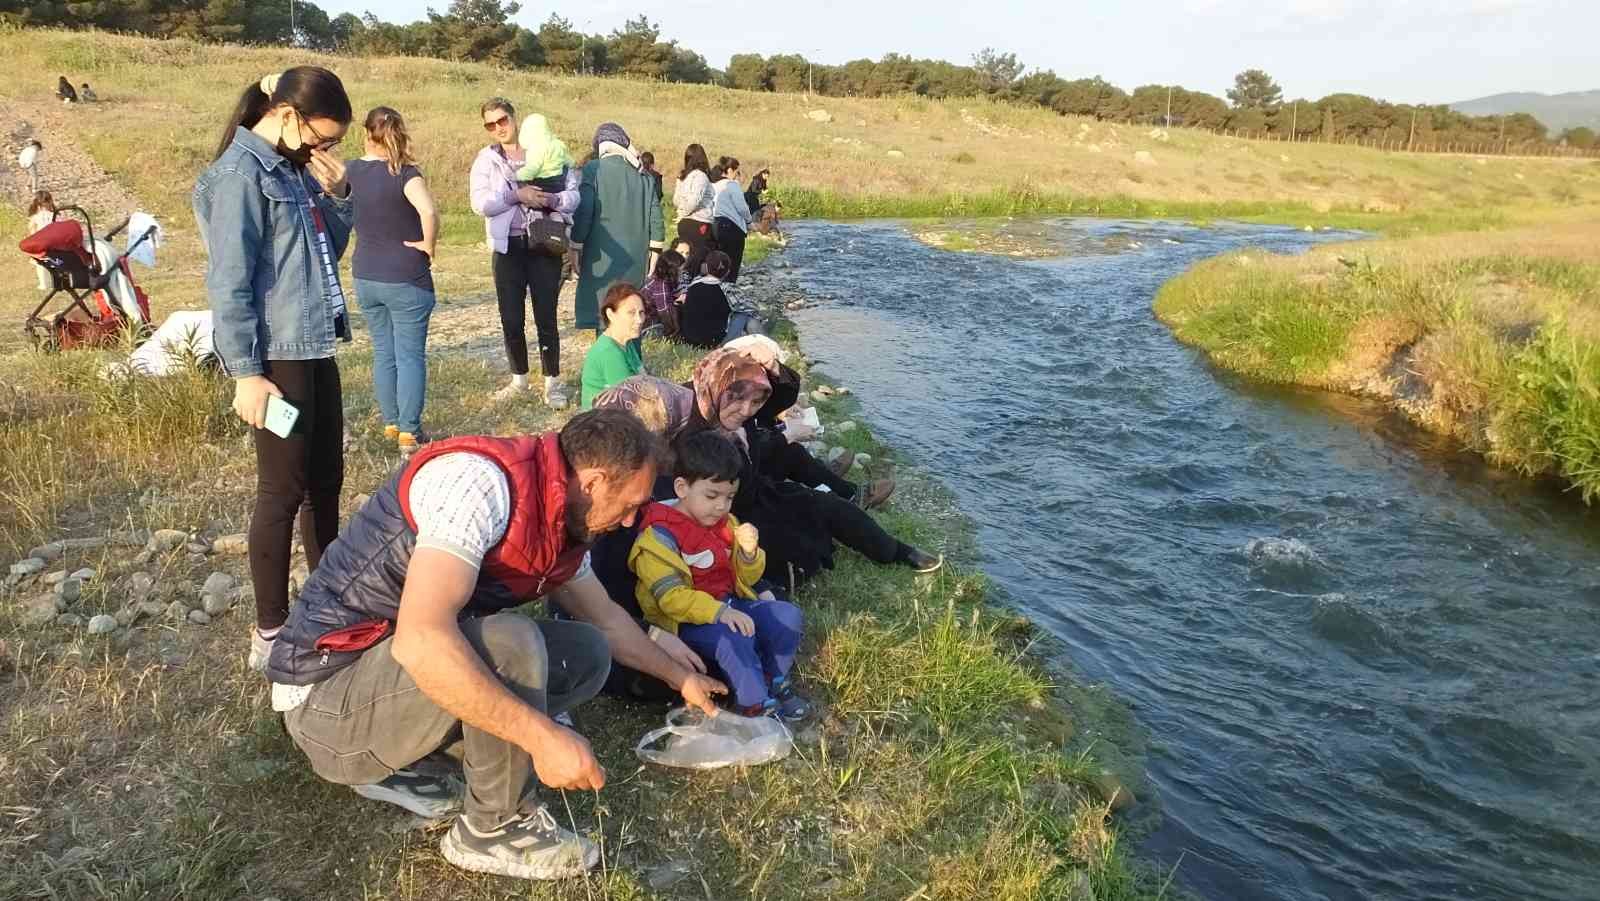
x=615, y=355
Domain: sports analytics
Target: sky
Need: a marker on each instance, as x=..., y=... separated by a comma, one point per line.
x=1406, y=51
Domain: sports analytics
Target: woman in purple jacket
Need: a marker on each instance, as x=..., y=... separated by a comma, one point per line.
x=522, y=267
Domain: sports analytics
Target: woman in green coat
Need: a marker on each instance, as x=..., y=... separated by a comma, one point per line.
x=618, y=222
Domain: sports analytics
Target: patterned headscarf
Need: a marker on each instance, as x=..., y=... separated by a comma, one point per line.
x=726, y=375
x=664, y=407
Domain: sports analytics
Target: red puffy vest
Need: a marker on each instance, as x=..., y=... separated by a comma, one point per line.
x=692, y=538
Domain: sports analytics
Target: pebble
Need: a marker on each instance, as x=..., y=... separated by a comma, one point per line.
x=835, y=453
x=199, y=617
x=177, y=610
x=198, y=547
x=55, y=578
x=140, y=585
x=168, y=539
x=47, y=551
x=70, y=590
x=100, y=624
x=152, y=609
x=41, y=610
x=27, y=567
x=85, y=574
x=236, y=544
x=822, y=391
x=843, y=427
x=218, y=583
x=216, y=604
x=69, y=620
x=1112, y=791
x=863, y=459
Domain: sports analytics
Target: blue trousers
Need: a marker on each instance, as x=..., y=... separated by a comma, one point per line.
x=397, y=316
x=749, y=664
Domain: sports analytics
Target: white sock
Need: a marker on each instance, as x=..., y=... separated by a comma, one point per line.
x=521, y=381
x=268, y=634
x=549, y=382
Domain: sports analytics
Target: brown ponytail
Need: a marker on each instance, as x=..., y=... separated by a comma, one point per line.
x=385, y=127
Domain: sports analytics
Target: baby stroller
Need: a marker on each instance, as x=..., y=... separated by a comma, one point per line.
x=103, y=275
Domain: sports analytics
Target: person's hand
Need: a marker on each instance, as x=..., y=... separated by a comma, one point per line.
x=250, y=398
x=738, y=622
x=697, y=691
x=531, y=197
x=796, y=430
x=748, y=538
x=673, y=647
x=563, y=759
x=328, y=170
x=422, y=246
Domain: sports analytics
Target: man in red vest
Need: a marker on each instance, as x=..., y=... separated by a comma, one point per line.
x=405, y=638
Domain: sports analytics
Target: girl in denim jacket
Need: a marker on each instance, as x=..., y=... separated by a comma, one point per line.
x=274, y=213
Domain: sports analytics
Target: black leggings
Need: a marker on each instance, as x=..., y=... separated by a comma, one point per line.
x=730, y=240
x=796, y=464
x=517, y=272
x=296, y=476
x=701, y=241
x=855, y=528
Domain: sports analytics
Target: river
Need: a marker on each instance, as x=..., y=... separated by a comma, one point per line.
x=1367, y=665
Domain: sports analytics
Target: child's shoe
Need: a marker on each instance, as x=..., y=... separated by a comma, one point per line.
x=791, y=707
x=769, y=707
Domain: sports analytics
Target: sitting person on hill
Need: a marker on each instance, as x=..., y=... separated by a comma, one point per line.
x=764, y=213
x=661, y=295
x=87, y=94
x=616, y=354
x=799, y=524
x=64, y=91
x=706, y=318
x=697, y=569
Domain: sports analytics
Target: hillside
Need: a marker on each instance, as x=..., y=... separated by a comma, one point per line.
x=1558, y=112
x=154, y=131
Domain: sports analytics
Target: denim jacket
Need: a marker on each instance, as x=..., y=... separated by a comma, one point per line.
x=263, y=276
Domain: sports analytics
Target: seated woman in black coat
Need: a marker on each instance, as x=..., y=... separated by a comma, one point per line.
x=799, y=525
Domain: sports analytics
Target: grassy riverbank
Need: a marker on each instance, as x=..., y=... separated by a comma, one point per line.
x=1492, y=338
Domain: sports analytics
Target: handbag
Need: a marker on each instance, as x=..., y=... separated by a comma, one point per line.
x=548, y=236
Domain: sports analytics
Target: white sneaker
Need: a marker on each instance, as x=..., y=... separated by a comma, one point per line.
x=260, y=650
x=528, y=847
x=509, y=391
x=555, y=396
x=425, y=796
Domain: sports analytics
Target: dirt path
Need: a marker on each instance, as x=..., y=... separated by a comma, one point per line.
x=65, y=169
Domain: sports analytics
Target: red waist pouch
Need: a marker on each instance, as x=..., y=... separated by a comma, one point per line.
x=358, y=637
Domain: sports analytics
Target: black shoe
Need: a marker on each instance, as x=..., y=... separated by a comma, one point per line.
x=792, y=708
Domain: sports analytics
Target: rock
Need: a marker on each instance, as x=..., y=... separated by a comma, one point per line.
x=216, y=604
x=664, y=877
x=55, y=578
x=143, y=557
x=298, y=577
x=176, y=611
x=863, y=459
x=100, y=624
x=822, y=391
x=83, y=575
x=49, y=551
x=820, y=115
x=69, y=620
x=127, y=616
x=840, y=390
x=1144, y=158
x=168, y=539
x=233, y=545
x=152, y=609
x=198, y=547
x=199, y=617
x=141, y=586
x=41, y=610
x=844, y=427
x=27, y=567
x=897, y=154
x=1308, y=229
x=69, y=591
x=218, y=583
x=1112, y=791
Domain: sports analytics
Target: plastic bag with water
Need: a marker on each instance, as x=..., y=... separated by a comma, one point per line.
x=692, y=740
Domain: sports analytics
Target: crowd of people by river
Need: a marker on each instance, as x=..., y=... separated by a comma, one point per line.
x=667, y=526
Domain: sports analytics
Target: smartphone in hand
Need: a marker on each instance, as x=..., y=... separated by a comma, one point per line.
x=281, y=416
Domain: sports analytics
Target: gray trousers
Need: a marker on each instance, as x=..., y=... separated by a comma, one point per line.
x=370, y=719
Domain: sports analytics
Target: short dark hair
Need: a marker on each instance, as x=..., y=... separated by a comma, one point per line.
x=613, y=441
x=648, y=159
x=707, y=455
x=718, y=264
x=499, y=103
x=669, y=265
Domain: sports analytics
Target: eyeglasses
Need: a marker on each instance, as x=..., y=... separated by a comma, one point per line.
x=491, y=126
x=323, y=142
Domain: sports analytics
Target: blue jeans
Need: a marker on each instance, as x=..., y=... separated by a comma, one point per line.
x=749, y=664
x=397, y=316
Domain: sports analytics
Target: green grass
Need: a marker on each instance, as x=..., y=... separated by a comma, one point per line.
x=1492, y=337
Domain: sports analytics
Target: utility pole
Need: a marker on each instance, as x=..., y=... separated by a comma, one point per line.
x=293, y=36
x=1502, y=134
x=1411, y=140
x=1169, y=106
x=1294, y=122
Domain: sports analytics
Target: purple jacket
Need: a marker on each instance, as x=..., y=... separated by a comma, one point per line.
x=494, y=197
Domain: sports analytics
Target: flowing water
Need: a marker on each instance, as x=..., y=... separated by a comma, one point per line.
x=1367, y=666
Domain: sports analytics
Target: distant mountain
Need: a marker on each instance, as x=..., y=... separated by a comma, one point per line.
x=1558, y=112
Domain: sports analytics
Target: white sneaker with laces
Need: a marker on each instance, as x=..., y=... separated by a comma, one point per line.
x=531, y=846
x=555, y=396
x=425, y=796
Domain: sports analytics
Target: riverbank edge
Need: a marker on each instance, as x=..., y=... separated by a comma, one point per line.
x=1396, y=334
x=1091, y=729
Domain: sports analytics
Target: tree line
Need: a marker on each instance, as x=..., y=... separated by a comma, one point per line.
x=483, y=31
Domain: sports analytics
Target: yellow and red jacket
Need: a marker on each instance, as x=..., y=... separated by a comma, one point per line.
x=686, y=572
